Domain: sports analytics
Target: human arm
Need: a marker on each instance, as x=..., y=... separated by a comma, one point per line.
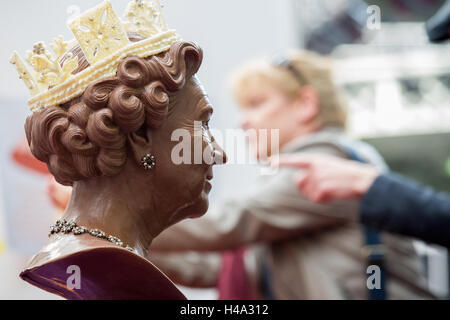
x=190, y=269
x=273, y=212
x=325, y=178
x=396, y=204
x=389, y=202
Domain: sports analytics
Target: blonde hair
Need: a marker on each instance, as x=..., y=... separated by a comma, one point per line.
x=310, y=70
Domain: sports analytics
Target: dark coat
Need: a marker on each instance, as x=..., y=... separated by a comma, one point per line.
x=396, y=204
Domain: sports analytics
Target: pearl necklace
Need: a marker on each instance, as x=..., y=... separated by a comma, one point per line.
x=62, y=226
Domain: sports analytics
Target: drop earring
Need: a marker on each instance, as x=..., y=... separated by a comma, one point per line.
x=148, y=162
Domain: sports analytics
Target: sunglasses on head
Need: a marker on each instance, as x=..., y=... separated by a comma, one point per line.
x=286, y=63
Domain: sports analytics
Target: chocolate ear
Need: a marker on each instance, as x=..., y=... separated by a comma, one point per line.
x=140, y=143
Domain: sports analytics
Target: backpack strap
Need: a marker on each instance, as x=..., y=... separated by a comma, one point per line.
x=373, y=249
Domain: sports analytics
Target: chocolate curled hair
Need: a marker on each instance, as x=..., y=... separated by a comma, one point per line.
x=86, y=137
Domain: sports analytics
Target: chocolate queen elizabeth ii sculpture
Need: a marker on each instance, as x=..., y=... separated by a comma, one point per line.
x=103, y=111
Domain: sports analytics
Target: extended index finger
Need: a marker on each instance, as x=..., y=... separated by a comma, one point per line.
x=302, y=161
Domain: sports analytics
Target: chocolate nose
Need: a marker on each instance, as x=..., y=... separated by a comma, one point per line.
x=219, y=155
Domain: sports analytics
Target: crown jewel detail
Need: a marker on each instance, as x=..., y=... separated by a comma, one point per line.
x=145, y=18
x=99, y=32
x=103, y=39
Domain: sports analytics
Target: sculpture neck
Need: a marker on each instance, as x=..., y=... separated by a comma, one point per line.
x=114, y=207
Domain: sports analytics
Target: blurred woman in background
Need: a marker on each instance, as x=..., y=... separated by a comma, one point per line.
x=289, y=246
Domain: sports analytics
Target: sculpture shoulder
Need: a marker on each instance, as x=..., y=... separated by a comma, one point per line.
x=79, y=267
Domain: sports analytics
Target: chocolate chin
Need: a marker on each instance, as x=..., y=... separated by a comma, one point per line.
x=86, y=137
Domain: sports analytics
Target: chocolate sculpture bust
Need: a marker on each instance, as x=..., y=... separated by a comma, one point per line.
x=102, y=120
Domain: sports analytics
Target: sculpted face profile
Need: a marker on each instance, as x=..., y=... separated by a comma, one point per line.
x=112, y=142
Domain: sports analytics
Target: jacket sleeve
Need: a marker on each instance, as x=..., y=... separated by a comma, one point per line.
x=273, y=212
x=190, y=269
x=398, y=205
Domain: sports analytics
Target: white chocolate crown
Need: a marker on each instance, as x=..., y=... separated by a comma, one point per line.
x=103, y=39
